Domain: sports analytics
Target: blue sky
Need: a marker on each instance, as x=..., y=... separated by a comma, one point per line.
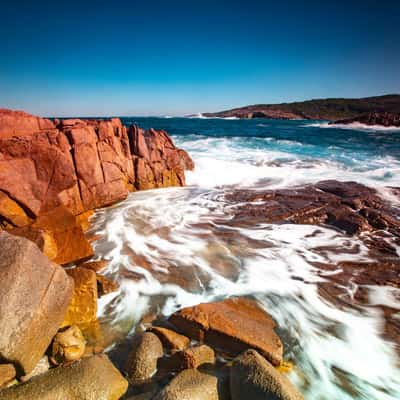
x=171, y=57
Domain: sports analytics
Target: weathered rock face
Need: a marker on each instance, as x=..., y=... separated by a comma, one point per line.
x=88, y=379
x=7, y=374
x=383, y=119
x=79, y=164
x=232, y=325
x=254, y=378
x=34, y=295
x=68, y=345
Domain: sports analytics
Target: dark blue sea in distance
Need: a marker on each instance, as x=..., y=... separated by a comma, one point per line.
x=183, y=247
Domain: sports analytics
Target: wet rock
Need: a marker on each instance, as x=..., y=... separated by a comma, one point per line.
x=191, y=384
x=105, y=285
x=7, y=374
x=68, y=345
x=34, y=295
x=193, y=357
x=83, y=306
x=348, y=206
x=171, y=340
x=233, y=326
x=96, y=266
x=254, y=378
x=141, y=364
x=41, y=367
x=88, y=379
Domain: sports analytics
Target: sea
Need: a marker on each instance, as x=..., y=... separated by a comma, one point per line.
x=175, y=247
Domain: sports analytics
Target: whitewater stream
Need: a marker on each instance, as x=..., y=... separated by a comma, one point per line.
x=177, y=247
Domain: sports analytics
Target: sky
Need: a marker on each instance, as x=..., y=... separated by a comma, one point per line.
x=103, y=58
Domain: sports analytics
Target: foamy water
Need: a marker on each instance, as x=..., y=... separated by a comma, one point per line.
x=176, y=247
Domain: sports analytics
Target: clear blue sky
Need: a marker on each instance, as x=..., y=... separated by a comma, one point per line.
x=176, y=57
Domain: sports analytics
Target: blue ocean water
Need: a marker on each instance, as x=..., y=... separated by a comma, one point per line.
x=176, y=247
x=351, y=145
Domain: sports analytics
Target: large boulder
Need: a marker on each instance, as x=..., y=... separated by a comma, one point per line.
x=192, y=384
x=34, y=296
x=93, y=378
x=233, y=326
x=142, y=361
x=254, y=378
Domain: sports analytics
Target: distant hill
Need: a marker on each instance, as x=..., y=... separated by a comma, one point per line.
x=327, y=109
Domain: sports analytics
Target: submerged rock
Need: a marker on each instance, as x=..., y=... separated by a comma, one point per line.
x=254, y=378
x=92, y=378
x=34, y=296
x=232, y=325
x=142, y=361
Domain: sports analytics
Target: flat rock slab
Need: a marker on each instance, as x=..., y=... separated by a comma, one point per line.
x=93, y=378
x=34, y=295
x=233, y=326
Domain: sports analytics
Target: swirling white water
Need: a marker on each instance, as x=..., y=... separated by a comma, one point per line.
x=176, y=247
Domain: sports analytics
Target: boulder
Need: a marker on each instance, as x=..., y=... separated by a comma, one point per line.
x=193, y=357
x=91, y=378
x=141, y=364
x=232, y=325
x=192, y=384
x=68, y=345
x=7, y=374
x=82, y=309
x=170, y=339
x=34, y=296
x=254, y=378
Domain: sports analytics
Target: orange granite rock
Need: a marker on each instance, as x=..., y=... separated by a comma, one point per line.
x=232, y=325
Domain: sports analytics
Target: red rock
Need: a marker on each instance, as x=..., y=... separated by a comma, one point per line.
x=170, y=339
x=80, y=164
x=232, y=326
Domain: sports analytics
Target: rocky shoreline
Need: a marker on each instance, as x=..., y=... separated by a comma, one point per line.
x=53, y=175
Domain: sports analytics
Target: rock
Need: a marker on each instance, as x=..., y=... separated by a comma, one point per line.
x=41, y=367
x=59, y=235
x=141, y=364
x=68, y=345
x=78, y=164
x=193, y=357
x=105, y=285
x=232, y=326
x=254, y=378
x=34, y=296
x=348, y=206
x=91, y=378
x=96, y=266
x=170, y=339
x=82, y=309
x=191, y=384
x=386, y=119
x=7, y=374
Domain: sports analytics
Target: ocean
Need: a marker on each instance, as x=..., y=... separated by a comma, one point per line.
x=176, y=247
